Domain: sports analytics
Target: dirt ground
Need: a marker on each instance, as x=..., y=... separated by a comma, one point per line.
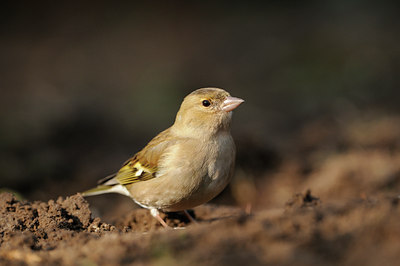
x=306, y=232
x=331, y=199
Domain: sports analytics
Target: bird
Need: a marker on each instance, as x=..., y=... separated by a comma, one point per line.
x=187, y=164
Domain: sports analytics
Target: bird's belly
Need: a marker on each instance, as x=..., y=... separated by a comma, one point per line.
x=184, y=187
x=176, y=198
x=206, y=192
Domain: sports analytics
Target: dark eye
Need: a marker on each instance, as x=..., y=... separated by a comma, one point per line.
x=206, y=103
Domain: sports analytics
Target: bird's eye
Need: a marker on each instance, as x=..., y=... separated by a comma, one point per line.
x=206, y=103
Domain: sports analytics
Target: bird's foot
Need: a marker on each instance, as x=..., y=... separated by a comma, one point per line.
x=190, y=217
x=156, y=214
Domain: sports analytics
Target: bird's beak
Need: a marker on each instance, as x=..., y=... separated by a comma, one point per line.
x=231, y=103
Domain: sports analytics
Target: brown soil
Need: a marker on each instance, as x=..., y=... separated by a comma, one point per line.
x=306, y=231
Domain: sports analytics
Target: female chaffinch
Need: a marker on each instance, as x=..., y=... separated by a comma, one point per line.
x=187, y=164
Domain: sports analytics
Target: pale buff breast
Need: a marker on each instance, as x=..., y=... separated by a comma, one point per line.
x=188, y=183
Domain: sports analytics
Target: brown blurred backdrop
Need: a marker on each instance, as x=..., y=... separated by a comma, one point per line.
x=86, y=85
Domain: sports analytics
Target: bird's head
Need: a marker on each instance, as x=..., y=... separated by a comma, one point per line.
x=206, y=111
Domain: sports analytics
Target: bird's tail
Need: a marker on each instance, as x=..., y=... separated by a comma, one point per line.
x=101, y=189
x=109, y=184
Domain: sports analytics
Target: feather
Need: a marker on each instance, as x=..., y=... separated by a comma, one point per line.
x=141, y=167
x=106, y=189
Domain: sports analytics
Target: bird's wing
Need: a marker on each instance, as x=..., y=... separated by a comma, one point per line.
x=144, y=165
x=133, y=171
x=141, y=167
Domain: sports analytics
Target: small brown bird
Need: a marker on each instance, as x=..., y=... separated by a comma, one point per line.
x=186, y=165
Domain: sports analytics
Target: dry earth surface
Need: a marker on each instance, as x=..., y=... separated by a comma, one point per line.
x=306, y=232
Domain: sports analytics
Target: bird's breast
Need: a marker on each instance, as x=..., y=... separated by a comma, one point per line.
x=190, y=173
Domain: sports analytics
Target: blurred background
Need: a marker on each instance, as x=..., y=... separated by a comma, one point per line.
x=86, y=85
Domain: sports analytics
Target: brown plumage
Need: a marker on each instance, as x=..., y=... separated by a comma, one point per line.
x=186, y=165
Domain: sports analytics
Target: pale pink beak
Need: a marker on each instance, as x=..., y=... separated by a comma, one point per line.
x=231, y=103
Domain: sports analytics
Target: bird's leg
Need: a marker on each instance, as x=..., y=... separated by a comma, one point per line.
x=248, y=208
x=156, y=214
x=191, y=219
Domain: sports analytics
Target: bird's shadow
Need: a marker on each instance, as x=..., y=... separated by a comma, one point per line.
x=183, y=218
